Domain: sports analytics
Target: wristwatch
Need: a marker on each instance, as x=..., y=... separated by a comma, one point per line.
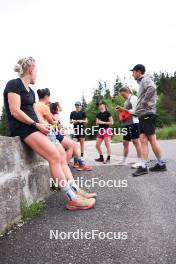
x=34, y=124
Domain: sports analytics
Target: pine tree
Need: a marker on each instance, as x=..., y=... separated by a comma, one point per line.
x=84, y=103
x=107, y=93
x=4, y=131
x=98, y=93
x=117, y=87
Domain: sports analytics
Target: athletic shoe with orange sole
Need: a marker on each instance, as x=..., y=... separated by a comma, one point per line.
x=84, y=168
x=81, y=203
x=76, y=165
x=86, y=194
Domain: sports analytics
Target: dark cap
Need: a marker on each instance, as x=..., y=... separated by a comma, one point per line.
x=100, y=103
x=139, y=67
x=78, y=103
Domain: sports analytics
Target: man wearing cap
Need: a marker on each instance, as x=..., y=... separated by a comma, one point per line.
x=79, y=120
x=146, y=112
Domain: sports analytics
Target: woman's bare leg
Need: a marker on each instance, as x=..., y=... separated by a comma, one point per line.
x=125, y=148
x=137, y=144
x=107, y=141
x=45, y=148
x=68, y=144
x=64, y=163
x=98, y=145
x=82, y=144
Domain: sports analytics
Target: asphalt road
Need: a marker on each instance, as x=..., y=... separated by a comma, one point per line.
x=141, y=216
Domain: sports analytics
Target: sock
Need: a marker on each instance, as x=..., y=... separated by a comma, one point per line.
x=160, y=162
x=81, y=162
x=101, y=157
x=73, y=186
x=108, y=157
x=124, y=159
x=82, y=154
x=143, y=164
x=69, y=193
x=75, y=160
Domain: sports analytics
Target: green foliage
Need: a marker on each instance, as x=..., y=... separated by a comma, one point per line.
x=117, y=138
x=166, y=89
x=32, y=210
x=161, y=133
x=3, y=123
x=118, y=84
x=166, y=132
x=84, y=103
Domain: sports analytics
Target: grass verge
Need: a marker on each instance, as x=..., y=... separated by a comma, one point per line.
x=166, y=132
x=32, y=210
x=117, y=138
x=161, y=133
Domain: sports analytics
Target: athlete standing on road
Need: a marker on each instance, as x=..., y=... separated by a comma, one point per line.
x=131, y=123
x=146, y=112
x=104, y=120
x=79, y=120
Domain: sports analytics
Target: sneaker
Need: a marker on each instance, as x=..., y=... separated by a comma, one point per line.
x=135, y=165
x=122, y=163
x=81, y=203
x=107, y=161
x=100, y=160
x=85, y=194
x=76, y=165
x=158, y=167
x=140, y=171
x=84, y=168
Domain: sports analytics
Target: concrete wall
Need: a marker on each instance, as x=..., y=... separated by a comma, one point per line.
x=24, y=176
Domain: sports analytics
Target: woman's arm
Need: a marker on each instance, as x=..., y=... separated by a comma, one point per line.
x=98, y=122
x=50, y=119
x=84, y=121
x=14, y=101
x=14, y=106
x=41, y=120
x=110, y=122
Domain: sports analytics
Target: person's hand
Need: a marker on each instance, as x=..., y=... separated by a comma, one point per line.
x=59, y=127
x=43, y=128
x=120, y=108
x=75, y=122
x=101, y=122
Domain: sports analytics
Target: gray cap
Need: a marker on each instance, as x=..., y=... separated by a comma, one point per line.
x=78, y=103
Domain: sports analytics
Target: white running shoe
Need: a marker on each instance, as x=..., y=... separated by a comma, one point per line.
x=135, y=165
x=122, y=163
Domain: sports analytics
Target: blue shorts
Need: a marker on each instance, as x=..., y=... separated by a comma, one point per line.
x=60, y=137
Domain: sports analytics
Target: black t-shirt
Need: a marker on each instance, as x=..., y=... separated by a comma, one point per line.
x=27, y=100
x=81, y=115
x=104, y=116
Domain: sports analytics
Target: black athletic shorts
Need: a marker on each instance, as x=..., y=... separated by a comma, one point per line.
x=79, y=133
x=147, y=124
x=79, y=136
x=132, y=132
x=24, y=131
